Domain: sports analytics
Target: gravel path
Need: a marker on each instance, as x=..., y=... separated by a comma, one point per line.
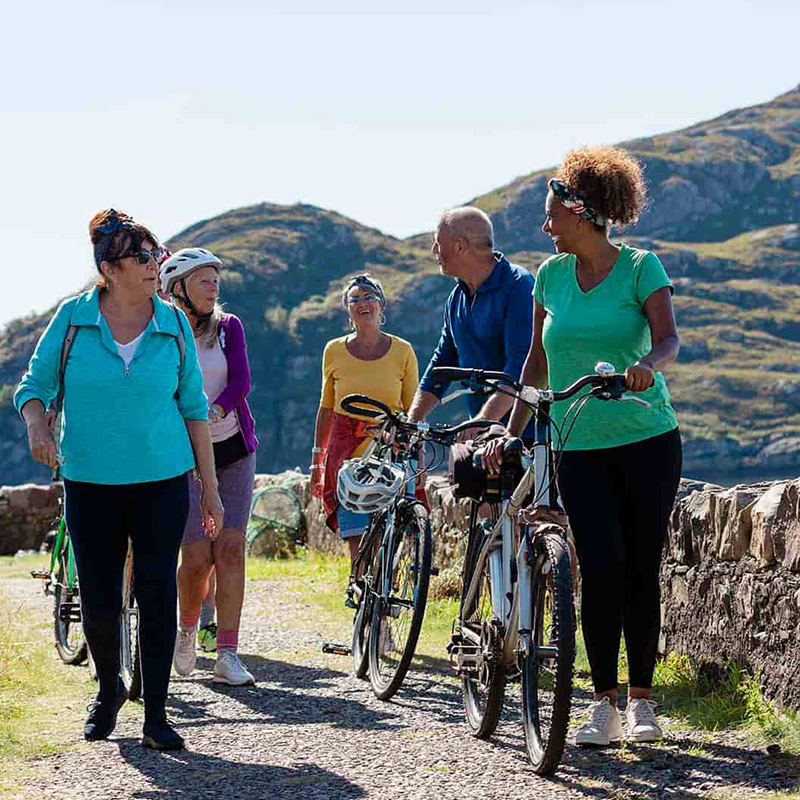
x=310, y=730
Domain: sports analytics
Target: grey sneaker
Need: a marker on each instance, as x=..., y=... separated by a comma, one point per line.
x=184, y=657
x=604, y=725
x=642, y=725
x=229, y=669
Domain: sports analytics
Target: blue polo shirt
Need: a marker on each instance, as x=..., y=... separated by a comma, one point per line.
x=490, y=329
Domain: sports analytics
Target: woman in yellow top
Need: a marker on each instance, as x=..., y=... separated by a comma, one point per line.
x=366, y=361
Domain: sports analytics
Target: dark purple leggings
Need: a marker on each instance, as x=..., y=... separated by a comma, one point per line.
x=618, y=501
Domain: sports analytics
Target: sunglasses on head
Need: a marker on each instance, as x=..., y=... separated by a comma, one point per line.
x=365, y=298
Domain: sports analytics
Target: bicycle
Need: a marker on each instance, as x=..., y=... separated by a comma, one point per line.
x=388, y=584
x=516, y=614
x=61, y=581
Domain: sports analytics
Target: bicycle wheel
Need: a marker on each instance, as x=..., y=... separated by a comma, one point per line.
x=484, y=686
x=363, y=615
x=129, y=638
x=69, y=639
x=547, y=666
x=397, y=619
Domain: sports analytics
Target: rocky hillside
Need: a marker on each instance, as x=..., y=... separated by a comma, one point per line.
x=724, y=217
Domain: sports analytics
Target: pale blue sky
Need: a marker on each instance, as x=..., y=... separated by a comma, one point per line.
x=179, y=110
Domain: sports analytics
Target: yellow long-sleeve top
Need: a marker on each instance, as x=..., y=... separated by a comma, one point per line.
x=392, y=379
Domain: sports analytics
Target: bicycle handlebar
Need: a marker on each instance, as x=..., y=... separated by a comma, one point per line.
x=365, y=406
x=611, y=384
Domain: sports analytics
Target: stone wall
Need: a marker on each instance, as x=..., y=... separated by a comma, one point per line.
x=731, y=582
x=27, y=513
x=730, y=576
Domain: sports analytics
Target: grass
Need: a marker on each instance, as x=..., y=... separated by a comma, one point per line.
x=42, y=702
x=683, y=691
x=734, y=702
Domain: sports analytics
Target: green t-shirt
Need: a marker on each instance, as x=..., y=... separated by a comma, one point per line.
x=607, y=323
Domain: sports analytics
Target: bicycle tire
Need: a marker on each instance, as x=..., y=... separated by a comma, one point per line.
x=483, y=697
x=362, y=620
x=412, y=540
x=129, y=629
x=135, y=689
x=547, y=688
x=69, y=639
x=360, y=643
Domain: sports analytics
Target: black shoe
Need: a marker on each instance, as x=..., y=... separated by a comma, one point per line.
x=160, y=735
x=102, y=717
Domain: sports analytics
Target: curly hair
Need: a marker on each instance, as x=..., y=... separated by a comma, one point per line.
x=609, y=179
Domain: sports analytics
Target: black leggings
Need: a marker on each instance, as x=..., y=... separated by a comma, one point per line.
x=618, y=501
x=100, y=518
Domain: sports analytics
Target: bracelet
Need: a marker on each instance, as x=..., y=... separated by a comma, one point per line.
x=315, y=450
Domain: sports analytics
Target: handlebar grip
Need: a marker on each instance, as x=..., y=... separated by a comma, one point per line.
x=464, y=374
x=354, y=404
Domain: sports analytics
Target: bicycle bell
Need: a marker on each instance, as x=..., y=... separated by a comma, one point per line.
x=604, y=368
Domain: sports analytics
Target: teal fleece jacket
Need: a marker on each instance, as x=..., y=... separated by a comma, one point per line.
x=119, y=426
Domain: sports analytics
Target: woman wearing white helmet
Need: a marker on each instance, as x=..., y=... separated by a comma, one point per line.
x=191, y=278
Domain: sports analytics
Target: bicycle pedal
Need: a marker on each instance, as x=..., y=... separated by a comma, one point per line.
x=40, y=575
x=336, y=649
x=69, y=612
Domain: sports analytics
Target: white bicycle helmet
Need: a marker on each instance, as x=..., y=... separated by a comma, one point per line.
x=366, y=485
x=183, y=263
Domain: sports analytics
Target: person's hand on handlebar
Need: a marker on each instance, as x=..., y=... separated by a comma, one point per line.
x=639, y=376
x=493, y=453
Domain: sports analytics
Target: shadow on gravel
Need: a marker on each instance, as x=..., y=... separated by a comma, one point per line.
x=680, y=768
x=193, y=775
x=298, y=702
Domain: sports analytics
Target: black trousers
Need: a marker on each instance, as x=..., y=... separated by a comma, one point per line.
x=100, y=518
x=618, y=501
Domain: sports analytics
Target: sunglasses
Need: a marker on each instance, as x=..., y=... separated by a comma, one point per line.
x=365, y=298
x=143, y=256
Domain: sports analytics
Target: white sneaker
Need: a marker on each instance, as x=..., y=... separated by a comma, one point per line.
x=184, y=658
x=229, y=669
x=604, y=725
x=642, y=725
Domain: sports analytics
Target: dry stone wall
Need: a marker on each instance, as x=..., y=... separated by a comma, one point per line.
x=731, y=582
x=27, y=513
x=730, y=576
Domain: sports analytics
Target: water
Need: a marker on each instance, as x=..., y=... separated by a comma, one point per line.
x=743, y=476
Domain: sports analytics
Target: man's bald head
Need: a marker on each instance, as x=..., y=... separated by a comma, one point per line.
x=470, y=224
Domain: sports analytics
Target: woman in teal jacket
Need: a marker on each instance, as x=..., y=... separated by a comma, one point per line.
x=134, y=425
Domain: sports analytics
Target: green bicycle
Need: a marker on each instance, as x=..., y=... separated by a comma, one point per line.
x=61, y=581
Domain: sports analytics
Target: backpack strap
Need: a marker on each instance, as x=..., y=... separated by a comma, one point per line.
x=181, y=338
x=69, y=338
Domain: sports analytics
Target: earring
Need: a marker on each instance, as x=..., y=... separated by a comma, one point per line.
x=382, y=320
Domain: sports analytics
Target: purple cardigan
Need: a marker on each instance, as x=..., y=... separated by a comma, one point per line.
x=234, y=395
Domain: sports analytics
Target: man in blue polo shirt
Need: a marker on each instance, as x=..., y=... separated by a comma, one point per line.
x=488, y=317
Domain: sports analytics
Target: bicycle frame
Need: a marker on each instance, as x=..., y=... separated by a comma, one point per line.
x=511, y=557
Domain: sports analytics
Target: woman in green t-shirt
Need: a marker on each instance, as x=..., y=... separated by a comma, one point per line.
x=619, y=472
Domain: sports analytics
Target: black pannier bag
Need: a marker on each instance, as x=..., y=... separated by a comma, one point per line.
x=469, y=478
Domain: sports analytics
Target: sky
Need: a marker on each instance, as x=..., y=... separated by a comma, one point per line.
x=179, y=110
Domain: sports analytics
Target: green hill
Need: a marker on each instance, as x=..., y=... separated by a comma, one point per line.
x=723, y=217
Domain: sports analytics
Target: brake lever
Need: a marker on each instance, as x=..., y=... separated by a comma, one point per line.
x=455, y=395
x=632, y=399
